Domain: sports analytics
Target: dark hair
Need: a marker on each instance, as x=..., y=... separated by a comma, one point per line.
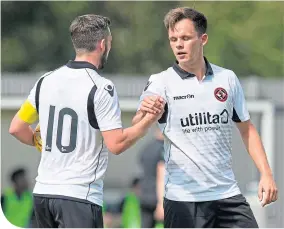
x=135, y=182
x=17, y=173
x=178, y=14
x=87, y=30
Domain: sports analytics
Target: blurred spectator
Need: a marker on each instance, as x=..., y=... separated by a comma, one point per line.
x=107, y=216
x=130, y=207
x=112, y=219
x=152, y=182
x=16, y=201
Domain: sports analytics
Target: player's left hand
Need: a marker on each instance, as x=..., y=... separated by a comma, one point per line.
x=267, y=190
x=159, y=212
x=152, y=104
x=154, y=117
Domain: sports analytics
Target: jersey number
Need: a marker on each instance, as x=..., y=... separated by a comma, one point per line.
x=73, y=130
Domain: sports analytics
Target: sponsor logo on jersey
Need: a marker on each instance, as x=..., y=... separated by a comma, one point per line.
x=147, y=85
x=110, y=89
x=204, y=122
x=189, y=96
x=205, y=118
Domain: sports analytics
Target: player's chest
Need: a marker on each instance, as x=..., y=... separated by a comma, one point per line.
x=192, y=95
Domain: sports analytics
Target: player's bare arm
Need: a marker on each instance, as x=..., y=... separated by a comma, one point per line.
x=138, y=117
x=150, y=104
x=20, y=126
x=256, y=150
x=119, y=140
x=159, y=212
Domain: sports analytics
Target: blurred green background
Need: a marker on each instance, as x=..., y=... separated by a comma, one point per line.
x=244, y=36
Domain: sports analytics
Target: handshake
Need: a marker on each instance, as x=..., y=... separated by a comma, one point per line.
x=152, y=107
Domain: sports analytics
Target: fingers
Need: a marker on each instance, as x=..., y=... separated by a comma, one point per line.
x=153, y=117
x=260, y=192
x=270, y=195
x=266, y=198
x=161, y=100
x=267, y=190
x=150, y=107
x=275, y=195
x=152, y=104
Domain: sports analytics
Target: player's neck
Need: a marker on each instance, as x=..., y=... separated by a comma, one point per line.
x=91, y=58
x=198, y=68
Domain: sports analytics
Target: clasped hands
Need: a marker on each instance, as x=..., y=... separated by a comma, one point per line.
x=153, y=107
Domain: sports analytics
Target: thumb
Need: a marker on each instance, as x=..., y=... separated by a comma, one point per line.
x=260, y=193
x=161, y=99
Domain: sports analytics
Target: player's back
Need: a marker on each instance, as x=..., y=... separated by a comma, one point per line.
x=74, y=159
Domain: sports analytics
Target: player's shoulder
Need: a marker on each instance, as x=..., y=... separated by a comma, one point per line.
x=46, y=74
x=160, y=75
x=43, y=75
x=219, y=71
x=102, y=82
x=104, y=87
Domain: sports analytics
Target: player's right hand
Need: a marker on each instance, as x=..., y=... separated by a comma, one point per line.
x=159, y=212
x=267, y=190
x=154, y=117
x=152, y=104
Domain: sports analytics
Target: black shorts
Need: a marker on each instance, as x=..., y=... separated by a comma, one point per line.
x=54, y=212
x=230, y=212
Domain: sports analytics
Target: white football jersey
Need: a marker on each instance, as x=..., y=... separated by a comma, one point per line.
x=74, y=105
x=197, y=125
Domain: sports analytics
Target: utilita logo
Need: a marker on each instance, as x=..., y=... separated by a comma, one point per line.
x=205, y=118
x=189, y=96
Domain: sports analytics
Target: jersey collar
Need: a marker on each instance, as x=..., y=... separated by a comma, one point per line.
x=184, y=74
x=80, y=64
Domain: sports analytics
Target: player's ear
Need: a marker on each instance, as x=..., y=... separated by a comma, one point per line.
x=102, y=44
x=204, y=38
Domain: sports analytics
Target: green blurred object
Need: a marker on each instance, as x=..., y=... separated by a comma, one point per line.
x=131, y=214
x=246, y=37
x=104, y=208
x=17, y=210
x=159, y=225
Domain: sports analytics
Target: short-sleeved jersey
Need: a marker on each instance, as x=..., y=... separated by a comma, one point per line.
x=197, y=125
x=74, y=104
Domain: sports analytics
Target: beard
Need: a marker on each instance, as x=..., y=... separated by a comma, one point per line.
x=104, y=58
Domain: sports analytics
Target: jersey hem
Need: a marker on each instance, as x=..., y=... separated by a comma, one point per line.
x=204, y=198
x=106, y=128
x=246, y=118
x=63, y=198
x=72, y=191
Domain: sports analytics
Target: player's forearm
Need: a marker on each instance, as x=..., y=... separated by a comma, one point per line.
x=160, y=181
x=256, y=150
x=138, y=117
x=24, y=135
x=21, y=130
x=131, y=135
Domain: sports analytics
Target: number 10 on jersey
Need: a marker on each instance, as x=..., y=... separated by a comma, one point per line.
x=72, y=133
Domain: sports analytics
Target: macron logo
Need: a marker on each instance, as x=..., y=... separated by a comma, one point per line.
x=147, y=85
x=189, y=96
x=109, y=88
